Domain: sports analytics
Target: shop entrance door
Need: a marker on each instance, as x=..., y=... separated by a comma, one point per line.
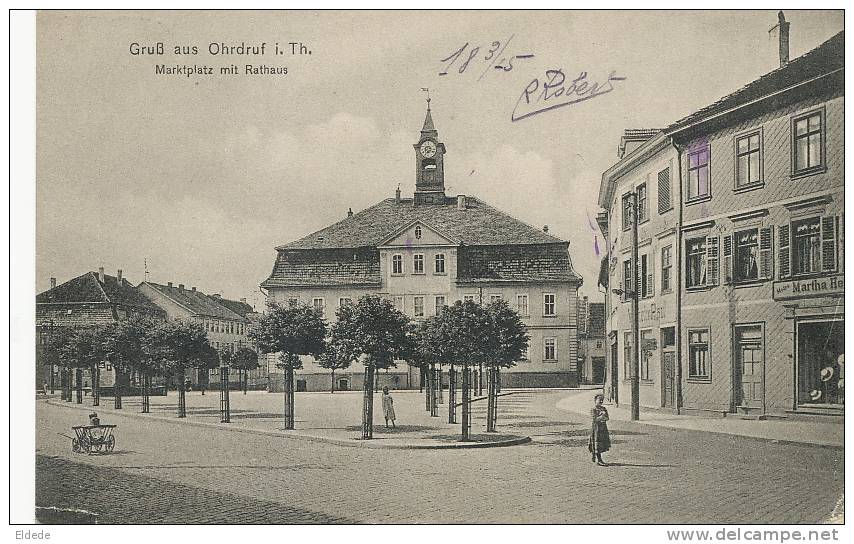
x=750, y=366
x=613, y=375
x=668, y=367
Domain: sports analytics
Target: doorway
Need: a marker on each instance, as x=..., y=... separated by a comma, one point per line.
x=301, y=386
x=749, y=366
x=615, y=380
x=343, y=384
x=668, y=367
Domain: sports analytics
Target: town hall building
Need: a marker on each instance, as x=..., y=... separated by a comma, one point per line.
x=429, y=251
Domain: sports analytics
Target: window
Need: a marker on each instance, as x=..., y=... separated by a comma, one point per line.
x=549, y=349
x=318, y=304
x=417, y=233
x=493, y=298
x=666, y=269
x=699, y=361
x=698, y=174
x=397, y=264
x=806, y=246
x=522, y=304
x=627, y=355
x=646, y=278
x=468, y=298
x=628, y=290
x=418, y=264
x=627, y=211
x=646, y=349
x=598, y=344
x=808, y=143
x=440, y=303
x=701, y=263
x=344, y=300
x=664, y=202
x=419, y=306
x=440, y=263
x=548, y=304
x=746, y=262
x=643, y=210
x=293, y=301
x=748, y=160
x=398, y=303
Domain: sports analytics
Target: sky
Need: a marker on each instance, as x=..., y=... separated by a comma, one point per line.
x=202, y=177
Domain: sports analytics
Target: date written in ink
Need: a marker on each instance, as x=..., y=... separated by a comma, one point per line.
x=486, y=58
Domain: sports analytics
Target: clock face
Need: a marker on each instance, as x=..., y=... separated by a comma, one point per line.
x=428, y=149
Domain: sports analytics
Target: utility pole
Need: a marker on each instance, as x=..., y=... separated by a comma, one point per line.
x=635, y=294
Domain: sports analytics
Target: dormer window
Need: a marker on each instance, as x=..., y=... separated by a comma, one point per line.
x=417, y=233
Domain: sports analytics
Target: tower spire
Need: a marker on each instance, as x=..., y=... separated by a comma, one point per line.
x=428, y=127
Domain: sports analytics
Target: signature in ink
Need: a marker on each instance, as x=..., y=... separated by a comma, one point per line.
x=555, y=91
x=494, y=57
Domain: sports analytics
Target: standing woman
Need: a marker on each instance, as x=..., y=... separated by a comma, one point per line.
x=600, y=440
x=388, y=407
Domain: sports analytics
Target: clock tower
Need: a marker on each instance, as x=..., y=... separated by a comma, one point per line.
x=429, y=164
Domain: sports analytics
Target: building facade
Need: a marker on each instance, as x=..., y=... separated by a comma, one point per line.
x=749, y=297
x=92, y=299
x=429, y=251
x=226, y=328
x=591, y=345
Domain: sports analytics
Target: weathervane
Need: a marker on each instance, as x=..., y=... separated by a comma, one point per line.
x=426, y=90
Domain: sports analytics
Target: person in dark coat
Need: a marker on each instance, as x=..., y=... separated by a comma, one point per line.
x=600, y=440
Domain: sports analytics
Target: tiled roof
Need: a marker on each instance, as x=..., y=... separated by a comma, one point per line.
x=87, y=288
x=826, y=58
x=638, y=133
x=196, y=302
x=478, y=224
x=529, y=263
x=236, y=306
x=328, y=267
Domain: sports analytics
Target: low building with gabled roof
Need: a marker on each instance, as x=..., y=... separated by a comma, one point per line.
x=431, y=250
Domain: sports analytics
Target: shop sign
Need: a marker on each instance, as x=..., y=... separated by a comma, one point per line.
x=647, y=313
x=827, y=285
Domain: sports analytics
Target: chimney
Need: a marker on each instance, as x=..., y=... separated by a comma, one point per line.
x=781, y=32
x=193, y=289
x=397, y=195
x=101, y=277
x=546, y=228
x=119, y=276
x=180, y=286
x=169, y=285
x=461, y=202
x=350, y=212
x=52, y=283
x=243, y=300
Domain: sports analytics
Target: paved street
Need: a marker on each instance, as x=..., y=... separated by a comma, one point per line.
x=166, y=471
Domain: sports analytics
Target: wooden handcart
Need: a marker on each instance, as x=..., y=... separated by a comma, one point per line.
x=93, y=439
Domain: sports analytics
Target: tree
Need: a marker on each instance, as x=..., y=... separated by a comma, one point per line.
x=336, y=356
x=292, y=330
x=83, y=349
x=373, y=331
x=244, y=359
x=507, y=342
x=180, y=345
x=52, y=352
x=459, y=335
x=124, y=346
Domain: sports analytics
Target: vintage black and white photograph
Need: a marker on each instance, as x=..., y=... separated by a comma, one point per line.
x=438, y=267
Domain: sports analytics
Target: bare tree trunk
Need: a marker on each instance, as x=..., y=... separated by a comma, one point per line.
x=96, y=389
x=78, y=386
x=289, y=397
x=333, y=381
x=368, y=403
x=452, y=395
x=117, y=392
x=439, y=384
x=491, y=400
x=146, y=391
x=466, y=414
x=182, y=395
x=245, y=381
x=434, y=406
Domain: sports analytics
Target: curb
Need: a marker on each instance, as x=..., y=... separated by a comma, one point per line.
x=352, y=443
x=782, y=441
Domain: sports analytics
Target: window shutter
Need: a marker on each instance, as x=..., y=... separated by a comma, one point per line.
x=664, y=190
x=728, y=258
x=712, y=261
x=766, y=254
x=639, y=279
x=828, y=243
x=783, y=251
x=650, y=276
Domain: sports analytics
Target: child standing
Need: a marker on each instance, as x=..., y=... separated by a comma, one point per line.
x=388, y=407
x=600, y=440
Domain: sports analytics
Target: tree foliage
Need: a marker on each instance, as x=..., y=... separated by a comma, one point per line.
x=178, y=345
x=507, y=337
x=293, y=329
x=372, y=330
x=83, y=348
x=244, y=358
